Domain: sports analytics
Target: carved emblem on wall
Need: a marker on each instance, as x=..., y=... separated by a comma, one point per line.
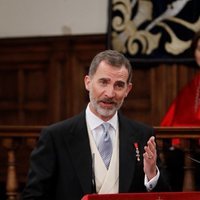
x=153, y=29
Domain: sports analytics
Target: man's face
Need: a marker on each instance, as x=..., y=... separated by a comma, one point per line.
x=107, y=89
x=197, y=53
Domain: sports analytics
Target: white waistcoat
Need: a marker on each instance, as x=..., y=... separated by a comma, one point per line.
x=107, y=181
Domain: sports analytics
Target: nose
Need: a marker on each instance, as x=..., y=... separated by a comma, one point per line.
x=109, y=92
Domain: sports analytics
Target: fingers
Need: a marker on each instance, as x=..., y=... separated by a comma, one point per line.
x=150, y=149
x=150, y=157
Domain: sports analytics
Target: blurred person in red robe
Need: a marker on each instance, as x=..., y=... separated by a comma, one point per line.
x=185, y=111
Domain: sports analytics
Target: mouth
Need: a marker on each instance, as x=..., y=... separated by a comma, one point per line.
x=107, y=104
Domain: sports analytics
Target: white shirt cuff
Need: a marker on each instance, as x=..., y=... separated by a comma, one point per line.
x=151, y=184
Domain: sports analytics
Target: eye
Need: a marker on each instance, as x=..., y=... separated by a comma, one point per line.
x=103, y=82
x=119, y=85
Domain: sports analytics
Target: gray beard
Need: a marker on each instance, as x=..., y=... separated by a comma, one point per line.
x=102, y=111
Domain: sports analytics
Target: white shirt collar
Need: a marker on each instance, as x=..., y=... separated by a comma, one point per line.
x=93, y=121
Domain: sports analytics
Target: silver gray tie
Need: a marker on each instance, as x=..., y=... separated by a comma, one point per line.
x=105, y=145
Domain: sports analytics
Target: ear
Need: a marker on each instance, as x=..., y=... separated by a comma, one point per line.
x=87, y=82
x=128, y=89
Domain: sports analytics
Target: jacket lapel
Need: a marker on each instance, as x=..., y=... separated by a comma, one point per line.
x=127, y=154
x=79, y=149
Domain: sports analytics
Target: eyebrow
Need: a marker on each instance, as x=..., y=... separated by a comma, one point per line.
x=120, y=82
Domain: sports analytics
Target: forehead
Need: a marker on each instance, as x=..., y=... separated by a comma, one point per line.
x=105, y=70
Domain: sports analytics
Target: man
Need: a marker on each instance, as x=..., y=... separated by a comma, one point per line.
x=67, y=162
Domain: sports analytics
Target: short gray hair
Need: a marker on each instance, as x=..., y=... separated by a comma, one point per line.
x=113, y=58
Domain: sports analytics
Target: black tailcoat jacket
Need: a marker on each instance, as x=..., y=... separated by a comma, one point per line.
x=61, y=163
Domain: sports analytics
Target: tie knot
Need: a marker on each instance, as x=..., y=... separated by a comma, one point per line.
x=106, y=126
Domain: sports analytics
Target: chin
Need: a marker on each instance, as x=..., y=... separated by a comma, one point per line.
x=106, y=112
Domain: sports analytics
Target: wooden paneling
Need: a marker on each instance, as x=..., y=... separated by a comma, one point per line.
x=41, y=81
